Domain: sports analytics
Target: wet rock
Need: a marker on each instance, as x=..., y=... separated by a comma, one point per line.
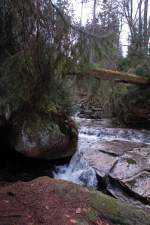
x=5, y=135
x=131, y=163
x=140, y=185
x=101, y=162
x=125, y=164
x=116, y=147
x=54, y=142
x=90, y=114
x=85, y=178
x=105, y=155
x=125, y=168
x=48, y=201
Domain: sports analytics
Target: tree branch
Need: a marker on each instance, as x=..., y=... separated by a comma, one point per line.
x=78, y=29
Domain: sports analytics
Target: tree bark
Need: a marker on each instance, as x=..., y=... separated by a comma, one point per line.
x=140, y=39
x=117, y=76
x=93, y=30
x=145, y=33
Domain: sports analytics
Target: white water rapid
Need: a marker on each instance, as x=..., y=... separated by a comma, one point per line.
x=90, y=132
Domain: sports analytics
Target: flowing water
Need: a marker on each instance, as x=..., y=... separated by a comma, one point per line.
x=92, y=131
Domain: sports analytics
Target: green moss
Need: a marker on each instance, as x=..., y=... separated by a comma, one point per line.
x=92, y=216
x=131, y=161
x=106, y=205
x=119, y=213
x=36, y=124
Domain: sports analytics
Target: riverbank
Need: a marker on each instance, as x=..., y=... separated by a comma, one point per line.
x=112, y=160
x=48, y=201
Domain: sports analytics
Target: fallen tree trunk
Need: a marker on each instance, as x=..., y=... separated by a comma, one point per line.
x=117, y=76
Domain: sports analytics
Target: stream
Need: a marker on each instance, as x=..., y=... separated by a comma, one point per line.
x=91, y=133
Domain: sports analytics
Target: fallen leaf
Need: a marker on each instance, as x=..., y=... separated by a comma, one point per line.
x=86, y=210
x=6, y=201
x=29, y=216
x=67, y=216
x=78, y=210
x=99, y=222
x=73, y=221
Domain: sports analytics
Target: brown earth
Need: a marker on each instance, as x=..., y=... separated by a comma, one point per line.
x=53, y=202
x=40, y=202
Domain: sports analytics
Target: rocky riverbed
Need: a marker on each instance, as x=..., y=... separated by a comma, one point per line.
x=113, y=160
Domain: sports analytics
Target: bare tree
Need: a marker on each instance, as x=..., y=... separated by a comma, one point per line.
x=139, y=26
x=145, y=32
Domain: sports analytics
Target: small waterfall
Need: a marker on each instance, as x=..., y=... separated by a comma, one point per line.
x=78, y=171
x=90, y=132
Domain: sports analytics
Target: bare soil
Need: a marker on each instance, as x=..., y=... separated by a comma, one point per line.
x=43, y=201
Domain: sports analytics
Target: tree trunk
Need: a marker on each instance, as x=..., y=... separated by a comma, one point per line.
x=140, y=38
x=145, y=32
x=81, y=12
x=94, y=12
x=93, y=30
x=117, y=76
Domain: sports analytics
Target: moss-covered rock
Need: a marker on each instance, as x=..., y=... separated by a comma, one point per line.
x=52, y=140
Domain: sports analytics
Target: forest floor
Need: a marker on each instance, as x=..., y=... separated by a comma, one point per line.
x=36, y=203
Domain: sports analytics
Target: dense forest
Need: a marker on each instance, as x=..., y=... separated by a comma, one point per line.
x=53, y=105
x=41, y=44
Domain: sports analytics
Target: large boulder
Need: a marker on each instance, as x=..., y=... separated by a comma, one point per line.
x=55, y=140
x=5, y=135
x=55, y=202
x=123, y=166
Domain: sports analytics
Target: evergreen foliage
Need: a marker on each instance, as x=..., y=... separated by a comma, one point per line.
x=35, y=55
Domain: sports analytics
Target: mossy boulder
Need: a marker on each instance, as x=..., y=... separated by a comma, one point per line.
x=54, y=139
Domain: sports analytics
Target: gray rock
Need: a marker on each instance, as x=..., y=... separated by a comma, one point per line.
x=101, y=162
x=117, y=147
x=140, y=184
x=125, y=163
